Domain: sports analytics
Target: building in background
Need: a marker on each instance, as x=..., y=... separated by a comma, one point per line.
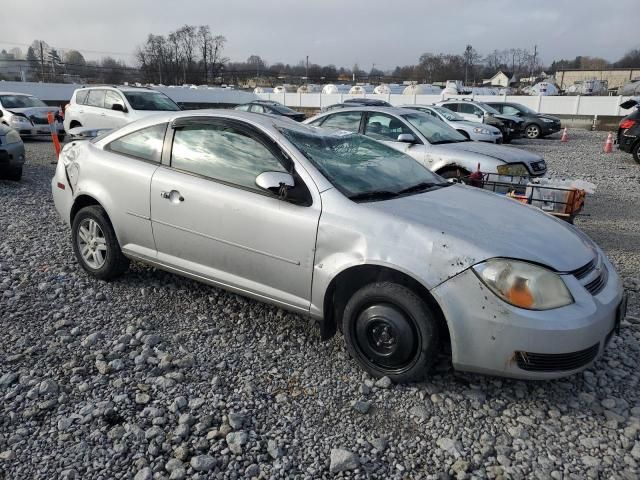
x=615, y=77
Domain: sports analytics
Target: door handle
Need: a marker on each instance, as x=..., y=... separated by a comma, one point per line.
x=173, y=196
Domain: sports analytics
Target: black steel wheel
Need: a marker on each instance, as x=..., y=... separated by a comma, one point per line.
x=391, y=332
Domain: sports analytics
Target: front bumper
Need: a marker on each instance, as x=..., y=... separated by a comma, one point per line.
x=40, y=130
x=489, y=336
x=12, y=155
x=550, y=128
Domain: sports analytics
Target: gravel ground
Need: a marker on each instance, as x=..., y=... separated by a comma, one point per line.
x=155, y=376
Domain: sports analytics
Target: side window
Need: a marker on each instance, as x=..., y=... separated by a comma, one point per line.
x=509, y=110
x=257, y=108
x=96, y=98
x=222, y=153
x=349, y=121
x=81, y=96
x=112, y=98
x=145, y=144
x=385, y=127
x=452, y=106
x=243, y=108
x=466, y=108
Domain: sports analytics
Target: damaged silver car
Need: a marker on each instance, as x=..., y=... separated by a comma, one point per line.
x=348, y=230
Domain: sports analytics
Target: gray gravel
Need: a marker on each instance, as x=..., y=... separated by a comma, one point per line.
x=155, y=376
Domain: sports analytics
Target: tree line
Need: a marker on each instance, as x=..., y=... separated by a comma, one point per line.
x=195, y=55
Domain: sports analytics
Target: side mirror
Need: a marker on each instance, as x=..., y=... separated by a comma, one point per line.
x=118, y=107
x=275, y=181
x=406, y=138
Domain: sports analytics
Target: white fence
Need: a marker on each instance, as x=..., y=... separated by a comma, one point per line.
x=551, y=104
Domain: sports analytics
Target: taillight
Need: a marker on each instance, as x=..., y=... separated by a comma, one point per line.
x=628, y=123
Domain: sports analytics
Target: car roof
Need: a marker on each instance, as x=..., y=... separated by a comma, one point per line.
x=122, y=88
x=367, y=108
x=16, y=93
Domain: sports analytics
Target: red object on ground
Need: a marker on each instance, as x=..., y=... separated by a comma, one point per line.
x=54, y=134
x=565, y=135
x=608, y=144
x=475, y=179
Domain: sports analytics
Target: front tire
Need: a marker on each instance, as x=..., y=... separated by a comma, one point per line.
x=95, y=244
x=532, y=131
x=636, y=152
x=390, y=331
x=14, y=174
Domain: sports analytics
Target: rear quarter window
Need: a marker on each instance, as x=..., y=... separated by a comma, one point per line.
x=144, y=144
x=81, y=96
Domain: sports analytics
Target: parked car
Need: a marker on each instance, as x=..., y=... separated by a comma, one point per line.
x=349, y=231
x=28, y=115
x=12, y=155
x=112, y=107
x=358, y=101
x=272, y=108
x=431, y=142
x=536, y=125
x=629, y=129
x=470, y=130
x=510, y=126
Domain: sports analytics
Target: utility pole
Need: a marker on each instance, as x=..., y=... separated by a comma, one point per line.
x=307, y=69
x=41, y=61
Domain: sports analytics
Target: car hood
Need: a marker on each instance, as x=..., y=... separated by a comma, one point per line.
x=499, y=152
x=549, y=117
x=466, y=225
x=38, y=112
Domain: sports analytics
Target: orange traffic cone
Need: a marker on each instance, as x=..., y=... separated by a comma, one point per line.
x=565, y=135
x=608, y=144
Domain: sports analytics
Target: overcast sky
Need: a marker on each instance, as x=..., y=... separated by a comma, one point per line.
x=341, y=32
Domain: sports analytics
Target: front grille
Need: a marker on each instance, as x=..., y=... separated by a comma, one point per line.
x=556, y=362
x=38, y=120
x=585, y=270
x=596, y=285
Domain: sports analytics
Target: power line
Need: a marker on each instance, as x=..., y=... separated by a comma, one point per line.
x=68, y=48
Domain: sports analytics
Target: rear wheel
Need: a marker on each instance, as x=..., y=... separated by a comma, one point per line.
x=636, y=152
x=95, y=244
x=13, y=173
x=391, y=332
x=532, y=131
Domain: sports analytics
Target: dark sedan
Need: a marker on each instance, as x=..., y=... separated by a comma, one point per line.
x=11, y=153
x=273, y=108
x=536, y=125
x=629, y=130
x=358, y=102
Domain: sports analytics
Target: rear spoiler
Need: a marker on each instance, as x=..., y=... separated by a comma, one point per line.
x=632, y=102
x=84, y=133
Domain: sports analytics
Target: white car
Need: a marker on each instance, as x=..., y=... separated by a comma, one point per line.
x=113, y=107
x=471, y=130
x=28, y=114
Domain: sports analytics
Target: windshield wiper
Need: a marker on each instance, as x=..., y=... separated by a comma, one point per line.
x=422, y=187
x=373, y=195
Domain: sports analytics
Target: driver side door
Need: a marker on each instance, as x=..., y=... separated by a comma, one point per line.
x=210, y=219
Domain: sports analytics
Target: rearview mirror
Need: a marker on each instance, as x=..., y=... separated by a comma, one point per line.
x=406, y=138
x=275, y=181
x=118, y=107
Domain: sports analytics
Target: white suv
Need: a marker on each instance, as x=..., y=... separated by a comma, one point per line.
x=113, y=107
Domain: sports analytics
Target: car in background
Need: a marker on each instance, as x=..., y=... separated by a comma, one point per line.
x=431, y=142
x=629, y=129
x=28, y=115
x=271, y=108
x=471, y=130
x=536, y=125
x=348, y=231
x=358, y=101
x=510, y=126
x=12, y=154
x=105, y=107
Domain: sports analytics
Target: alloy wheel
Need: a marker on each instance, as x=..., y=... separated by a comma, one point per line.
x=533, y=131
x=92, y=243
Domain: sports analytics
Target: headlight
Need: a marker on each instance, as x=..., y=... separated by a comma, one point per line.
x=523, y=284
x=482, y=131
x=546, y=120
x=19, y=120
x=515, y=169
x=13, y=137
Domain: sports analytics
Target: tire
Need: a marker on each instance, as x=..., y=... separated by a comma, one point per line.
x=97, y=249
x=453, y=172
x=636, y=152
x=14, y=174
x=532, y=131
x=464, y=134
x=390, y=331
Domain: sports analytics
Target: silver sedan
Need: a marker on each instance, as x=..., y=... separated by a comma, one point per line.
x=471, y=130
x=348, y=231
